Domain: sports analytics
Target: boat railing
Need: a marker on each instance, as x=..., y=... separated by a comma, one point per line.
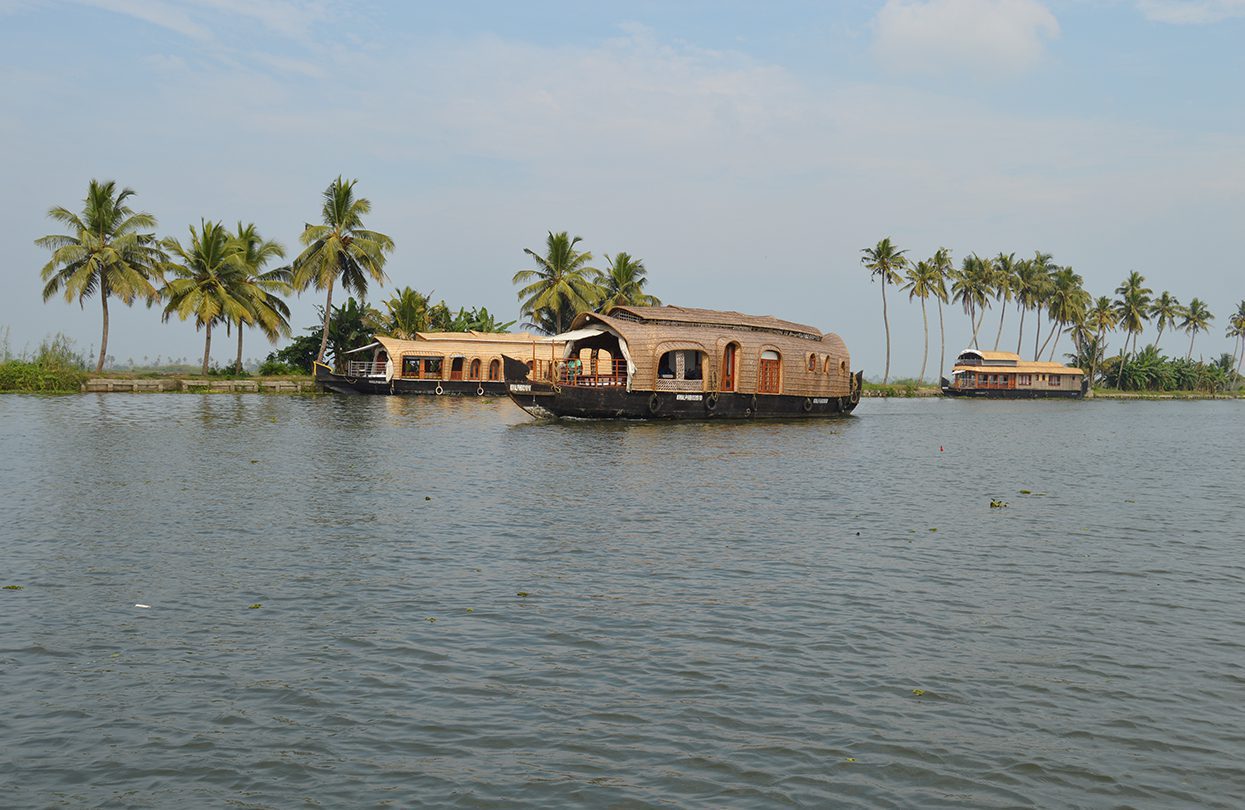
x=362, y=368
x=605, y=373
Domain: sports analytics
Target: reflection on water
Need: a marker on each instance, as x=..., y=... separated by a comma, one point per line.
x=755, y=614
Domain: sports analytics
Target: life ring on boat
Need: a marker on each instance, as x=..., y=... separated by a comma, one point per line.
x=480, y=391
x=440, y=390
x=711, y=401
x=654, y=404
x=808, y=405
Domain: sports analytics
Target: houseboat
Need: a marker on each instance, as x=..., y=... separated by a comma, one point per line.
x=678, y=363
x=1003, y=375
x=450, y=363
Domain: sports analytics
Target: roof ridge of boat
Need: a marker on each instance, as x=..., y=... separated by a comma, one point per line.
x=710, y=318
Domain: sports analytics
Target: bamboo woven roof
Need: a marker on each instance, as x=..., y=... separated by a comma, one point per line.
x=688, y=316
x=456, y=342
x=1022, y=367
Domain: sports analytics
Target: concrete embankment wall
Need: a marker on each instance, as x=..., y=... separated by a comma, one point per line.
x=201, y=386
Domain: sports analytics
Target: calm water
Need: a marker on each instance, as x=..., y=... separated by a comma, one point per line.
x=725, y=615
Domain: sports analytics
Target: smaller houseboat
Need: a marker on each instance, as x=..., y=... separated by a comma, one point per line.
x=1003, y=375
x=679, y=363
x=452, y=363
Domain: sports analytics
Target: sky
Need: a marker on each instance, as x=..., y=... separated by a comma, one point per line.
x=747, y=152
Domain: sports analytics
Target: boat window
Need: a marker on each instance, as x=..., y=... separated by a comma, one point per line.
x=843, y=366
x=769, y=373
x=410, y=366
x=428, y=368
x=812, y=362
x=494, y=370
x=475, y=369
x=432, y=368
x=1055, y=379
x=681, y=364
x=1024, y=379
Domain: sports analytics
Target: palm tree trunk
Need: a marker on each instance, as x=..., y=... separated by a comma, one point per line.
x=1053, y=326
x=1002, y=314
x=1192, y=335
x=328, y=313
x=237, y=367
x=942, y=342
x=887, y=325
x=1058, y=335
x=1160, y=337
x=1020, y=334
x=977, y=326
x=925, y=353
x=103, y=343
x=1037, y=330
x=207, y=348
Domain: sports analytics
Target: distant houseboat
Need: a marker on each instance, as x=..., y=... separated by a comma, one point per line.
x=1003, y=375
x=677, y=363
x=462, y=363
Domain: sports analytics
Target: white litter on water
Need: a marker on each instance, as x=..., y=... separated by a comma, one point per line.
x=142, y=606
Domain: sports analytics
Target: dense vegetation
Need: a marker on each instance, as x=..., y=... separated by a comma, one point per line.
x=54, y=368
x=1045, y=289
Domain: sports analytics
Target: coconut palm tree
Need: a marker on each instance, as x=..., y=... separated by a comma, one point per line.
x=622, y=284
x=922, y=282
x=1236, y=329
x=264, y=288
x=110, y=250
x=1102, y=319
x=970, y=288
x=340, y=249
x=1043, y=269
x=1165, y=310
x=560, y=285
x=942, y=267
x=1197, y=318
x=1026, y=284
x=1133, y=305
x=1066, y=304
x=209, y=281
x=1004, y=287
x=408, y=313
x=884, y=261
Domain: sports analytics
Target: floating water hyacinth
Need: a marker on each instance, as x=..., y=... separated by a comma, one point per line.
x=255, y=606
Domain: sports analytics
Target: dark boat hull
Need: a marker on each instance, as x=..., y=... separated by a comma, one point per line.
x=544, y=399
x=1010, y=393
x=341, y=384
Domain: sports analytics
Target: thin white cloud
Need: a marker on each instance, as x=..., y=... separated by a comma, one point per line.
x=164, y=15
x=1191, y=12
x=986, y=36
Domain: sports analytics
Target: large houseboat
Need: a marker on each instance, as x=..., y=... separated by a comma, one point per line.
x=462, y=363
x=1003, y=375
x=677, y=363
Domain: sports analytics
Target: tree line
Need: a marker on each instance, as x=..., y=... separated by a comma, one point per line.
x=1039, y=286
x=221, y=276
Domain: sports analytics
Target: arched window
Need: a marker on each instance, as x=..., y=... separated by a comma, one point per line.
x=769, y=373
x=729, y=366
x=494, y=370
x=825, y=364
x=812, y=362
x=475, y=369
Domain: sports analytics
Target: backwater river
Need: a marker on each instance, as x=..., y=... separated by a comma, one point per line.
x=371, y=602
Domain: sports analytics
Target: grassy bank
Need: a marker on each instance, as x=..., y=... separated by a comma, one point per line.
x=901, y=388
x=54, y=369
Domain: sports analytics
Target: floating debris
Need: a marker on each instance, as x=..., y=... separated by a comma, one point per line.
x=427, y=497
x=14, y=587
x=471, y=610
x=1026, y=492
x=139, y=605
x=934, y=529
x=431, y=620
x=255, y=606
x=851, y=759
x=997, y=504
x=522, y=593
x=254, y=461
x=918, y=692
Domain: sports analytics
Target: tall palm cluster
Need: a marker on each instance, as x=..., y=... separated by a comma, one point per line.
x=563, y=283
x=217, y=276
x=1055, y=294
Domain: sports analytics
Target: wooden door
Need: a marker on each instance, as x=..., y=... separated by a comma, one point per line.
x=729, y=360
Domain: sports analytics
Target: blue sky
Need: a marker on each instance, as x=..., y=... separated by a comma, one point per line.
x=745, y=151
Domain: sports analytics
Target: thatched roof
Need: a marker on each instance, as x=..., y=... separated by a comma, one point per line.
x=687, y=316
x=465, y=343
x=1023, y=367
